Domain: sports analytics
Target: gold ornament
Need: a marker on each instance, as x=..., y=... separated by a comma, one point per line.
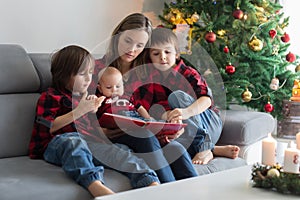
x=256, y=44
x=246, y=95
x=195, y=17
x=261, y=17
x=168, y=16
x=221, y=32
x=297, y=68
x=172, y=19
x=273, y=173
x=259, y=9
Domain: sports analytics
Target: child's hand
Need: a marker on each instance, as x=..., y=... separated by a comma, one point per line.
x=97, y=101
x=89, y=103
x=176, y=115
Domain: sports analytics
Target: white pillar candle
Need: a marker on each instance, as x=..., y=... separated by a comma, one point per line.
x=291, y=159
x=269, y=150
x=298, y=140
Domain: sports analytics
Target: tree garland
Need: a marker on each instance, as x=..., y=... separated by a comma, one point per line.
x=273, y=177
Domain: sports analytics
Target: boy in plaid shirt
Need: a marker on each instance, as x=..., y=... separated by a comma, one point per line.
x=65, y=131
x=182, y=94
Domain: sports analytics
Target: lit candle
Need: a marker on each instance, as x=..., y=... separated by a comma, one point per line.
x=298, y=140
x=291, y=159
x=269, y=150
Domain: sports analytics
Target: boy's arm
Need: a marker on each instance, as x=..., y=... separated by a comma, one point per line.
x=86, y=104
x=143, y=112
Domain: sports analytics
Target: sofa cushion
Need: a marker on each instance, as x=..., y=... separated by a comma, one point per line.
x=245, y=127
x=219, y=164
x=42, y=64
x=27, y=179
x=18, y=74
x=16, y=122
x=26, y=175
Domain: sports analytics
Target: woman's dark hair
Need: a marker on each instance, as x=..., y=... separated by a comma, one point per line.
x=136, y=21
x=67, y=62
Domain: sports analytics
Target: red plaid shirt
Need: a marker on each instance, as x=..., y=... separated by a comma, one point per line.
x=182, y=77
x=51, y=104
x=115, y=107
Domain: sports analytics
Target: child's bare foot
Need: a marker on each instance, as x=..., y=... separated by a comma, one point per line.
x=154, y=184
x=203, y=157
x=98, y=189
x=229, y=151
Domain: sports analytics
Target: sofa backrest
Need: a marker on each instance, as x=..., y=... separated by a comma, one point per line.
x=22, y=77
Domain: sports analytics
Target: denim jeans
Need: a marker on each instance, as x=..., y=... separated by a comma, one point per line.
x=71, y=151
x=203, y=130
x=172, y=162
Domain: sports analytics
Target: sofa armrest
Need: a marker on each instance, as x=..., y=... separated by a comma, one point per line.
x=244, y=128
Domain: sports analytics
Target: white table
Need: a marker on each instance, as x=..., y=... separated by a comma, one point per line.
x=229, y=184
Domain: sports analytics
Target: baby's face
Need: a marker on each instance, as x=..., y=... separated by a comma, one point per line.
x=111, y=85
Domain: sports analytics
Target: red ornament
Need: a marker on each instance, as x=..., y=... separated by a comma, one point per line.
x=238, y=14
x=269, y=107
x=290, y=57
x=285, y=38
x=226, y=49
x=229, y=69
x=210, y=37
x=272, y=33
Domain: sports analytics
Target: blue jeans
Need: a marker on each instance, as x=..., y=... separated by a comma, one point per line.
x=172, y=162
x=71, y=151
x=203, y=130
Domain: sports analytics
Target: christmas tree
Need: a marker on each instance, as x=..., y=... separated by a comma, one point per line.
x=247, y=41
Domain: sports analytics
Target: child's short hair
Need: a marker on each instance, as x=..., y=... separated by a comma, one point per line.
x=67, y=62
x=164, y=35
x=107, y=70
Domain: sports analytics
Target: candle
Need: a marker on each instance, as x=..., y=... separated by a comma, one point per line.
x=291, y=159
x=298, y=140
x=269, y=150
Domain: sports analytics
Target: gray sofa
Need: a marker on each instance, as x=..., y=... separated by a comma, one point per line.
x=23, y=76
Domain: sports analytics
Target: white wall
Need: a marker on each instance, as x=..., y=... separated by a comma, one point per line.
x=291, y=9
x=47, y=25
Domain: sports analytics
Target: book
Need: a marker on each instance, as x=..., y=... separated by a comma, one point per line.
x=113, y=121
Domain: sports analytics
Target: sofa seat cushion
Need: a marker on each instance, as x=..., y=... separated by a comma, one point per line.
x=24, y=178
x=219, y=164
x=27, y=179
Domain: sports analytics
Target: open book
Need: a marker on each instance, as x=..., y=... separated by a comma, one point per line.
x=113, y=121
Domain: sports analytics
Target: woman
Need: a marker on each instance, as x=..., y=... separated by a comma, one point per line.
x=128, y=40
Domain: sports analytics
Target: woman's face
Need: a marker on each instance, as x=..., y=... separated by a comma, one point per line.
x=131, y=44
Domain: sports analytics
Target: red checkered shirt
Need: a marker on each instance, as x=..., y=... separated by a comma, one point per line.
x=181, y=77
x=51, y=104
